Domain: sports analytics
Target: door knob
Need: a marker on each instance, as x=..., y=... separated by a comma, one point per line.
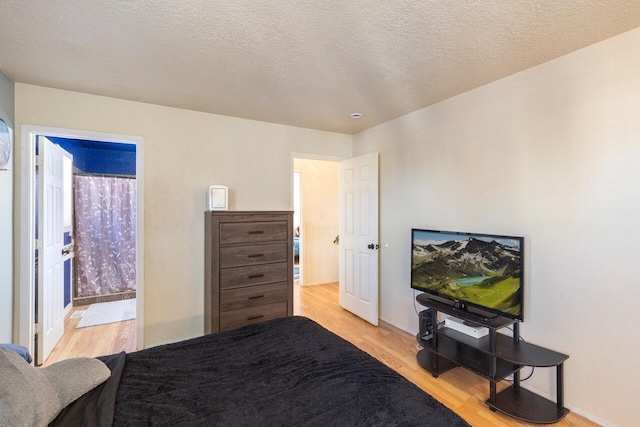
x=372, y=246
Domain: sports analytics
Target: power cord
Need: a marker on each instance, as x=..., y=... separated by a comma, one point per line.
x=530, y=374
x=414, y=303
x=532, y=367
x=519, y=338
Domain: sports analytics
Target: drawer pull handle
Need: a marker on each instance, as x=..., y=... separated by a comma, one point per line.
x=255, y=276
x=256, y=296
x=255, y=255
x=257, y=232
x=255, y=317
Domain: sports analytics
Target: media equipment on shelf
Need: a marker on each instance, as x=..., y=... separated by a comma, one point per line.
x=425, y=325
x=471, y=329
x=480, y=273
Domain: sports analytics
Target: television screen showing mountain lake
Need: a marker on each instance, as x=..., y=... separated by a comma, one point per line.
x=469, y=281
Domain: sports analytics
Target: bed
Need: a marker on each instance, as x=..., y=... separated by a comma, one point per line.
x=287, y=371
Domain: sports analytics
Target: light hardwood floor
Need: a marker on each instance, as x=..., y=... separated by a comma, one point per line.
x=459, y=389
x=93, y=341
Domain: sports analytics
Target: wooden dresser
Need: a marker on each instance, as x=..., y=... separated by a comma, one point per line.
x=248, y=268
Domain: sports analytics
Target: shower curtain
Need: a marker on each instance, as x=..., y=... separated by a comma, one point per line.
x=105, y=233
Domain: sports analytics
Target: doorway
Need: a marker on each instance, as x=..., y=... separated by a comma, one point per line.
x=27, y=327
x=355, y=244
x=296, y=226
x=104, y=213
x=315, y=201
x=100, y=240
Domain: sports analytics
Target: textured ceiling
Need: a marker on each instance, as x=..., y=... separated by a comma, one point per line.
x=304, y=63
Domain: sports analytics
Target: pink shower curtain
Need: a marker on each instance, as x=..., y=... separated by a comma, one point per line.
x=105, y=234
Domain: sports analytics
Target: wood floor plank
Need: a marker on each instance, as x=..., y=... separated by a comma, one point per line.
x=458, y=389
x=94, y=340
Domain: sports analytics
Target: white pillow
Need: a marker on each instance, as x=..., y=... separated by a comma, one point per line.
x=32, y=396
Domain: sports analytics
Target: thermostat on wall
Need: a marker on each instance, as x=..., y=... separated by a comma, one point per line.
x=218, y=198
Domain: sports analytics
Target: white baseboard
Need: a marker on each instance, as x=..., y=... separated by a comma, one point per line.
x=67, y=309
x=316, y=283
x=395, y=325
x=572, y=408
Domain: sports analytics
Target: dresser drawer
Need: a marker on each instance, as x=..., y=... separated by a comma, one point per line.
x=253, y=275
x=234, y=299
x=236, y=318
x=253, y=232
x=235, y=256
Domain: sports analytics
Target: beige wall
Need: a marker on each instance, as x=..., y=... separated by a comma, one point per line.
x=319, y=185
x=184, y=153
x=553, y=154
x=6, y=219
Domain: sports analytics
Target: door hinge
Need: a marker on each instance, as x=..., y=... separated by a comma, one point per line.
x=37, y=161
x=37, y=244
x=38, y=328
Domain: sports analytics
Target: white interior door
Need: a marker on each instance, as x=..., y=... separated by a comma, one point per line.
x=50, y=264
x=359, y=236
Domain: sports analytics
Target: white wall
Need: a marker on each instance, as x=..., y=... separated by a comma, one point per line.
x=6, y=219
x=320, y=181
x=184, y=153
x=553, y=154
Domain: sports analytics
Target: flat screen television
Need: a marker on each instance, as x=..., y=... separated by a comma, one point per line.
x=477, y=272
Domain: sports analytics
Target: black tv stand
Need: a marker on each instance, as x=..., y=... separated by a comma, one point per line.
x=494, y=357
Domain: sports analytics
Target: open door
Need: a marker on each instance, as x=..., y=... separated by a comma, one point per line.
x=50, y=292
x=359, y=236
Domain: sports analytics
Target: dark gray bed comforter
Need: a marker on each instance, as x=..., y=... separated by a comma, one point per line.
x=285, y=372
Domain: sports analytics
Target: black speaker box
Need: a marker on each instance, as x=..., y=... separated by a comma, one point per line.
x=425, y=324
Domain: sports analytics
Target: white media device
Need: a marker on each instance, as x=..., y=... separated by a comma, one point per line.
x=458, y=325
x=218, y=198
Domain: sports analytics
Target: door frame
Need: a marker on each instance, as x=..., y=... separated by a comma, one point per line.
x=307, y=156
x=300, y=216
x=24, y=299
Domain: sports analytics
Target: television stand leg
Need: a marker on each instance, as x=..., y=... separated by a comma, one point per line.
x=492, y=391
